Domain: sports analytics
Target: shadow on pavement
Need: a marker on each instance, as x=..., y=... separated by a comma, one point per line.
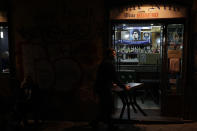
x=104, y=128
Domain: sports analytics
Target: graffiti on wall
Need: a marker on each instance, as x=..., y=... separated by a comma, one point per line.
x=60, y=53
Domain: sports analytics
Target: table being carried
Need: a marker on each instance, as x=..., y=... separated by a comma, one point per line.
x=128, y=97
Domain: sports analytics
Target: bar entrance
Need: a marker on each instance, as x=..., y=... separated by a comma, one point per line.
x=149, y=53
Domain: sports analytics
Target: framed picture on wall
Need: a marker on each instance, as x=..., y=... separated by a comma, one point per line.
x=146, y=36
x=135, y=34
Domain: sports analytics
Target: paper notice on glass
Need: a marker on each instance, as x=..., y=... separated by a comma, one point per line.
x=174, y=65
x=172, y=81
x=142, y=58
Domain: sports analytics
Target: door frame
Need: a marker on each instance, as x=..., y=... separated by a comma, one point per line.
x=163, y=77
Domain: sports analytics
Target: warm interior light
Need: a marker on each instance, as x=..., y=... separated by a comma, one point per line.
x=130, y=28
x=126, y=36
x=158, y=41
x=1, y=34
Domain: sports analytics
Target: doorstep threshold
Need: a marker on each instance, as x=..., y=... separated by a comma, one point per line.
x=153, y=120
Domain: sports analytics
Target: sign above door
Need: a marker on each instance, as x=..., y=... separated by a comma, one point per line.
x=148, y=12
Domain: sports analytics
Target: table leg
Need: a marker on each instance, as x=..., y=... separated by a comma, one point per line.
x=132, y=103
x=139, y=108
x=128, y=107
x=124, y=105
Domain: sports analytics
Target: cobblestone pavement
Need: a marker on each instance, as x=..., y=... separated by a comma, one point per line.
x=83, y=126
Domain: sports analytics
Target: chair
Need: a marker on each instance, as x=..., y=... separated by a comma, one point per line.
x=123, y=97
x=127, y=76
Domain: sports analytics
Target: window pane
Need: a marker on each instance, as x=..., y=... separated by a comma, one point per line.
x=175, y=47
x=4, y=50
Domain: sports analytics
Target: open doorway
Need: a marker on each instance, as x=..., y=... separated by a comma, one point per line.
x=139, y=50
x=151, y=54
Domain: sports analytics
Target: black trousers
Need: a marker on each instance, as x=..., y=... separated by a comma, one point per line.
x=105, y=107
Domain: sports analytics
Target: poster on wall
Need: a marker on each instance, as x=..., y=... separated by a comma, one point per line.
x=146, y=36
x=135, y=34
x=175, y=36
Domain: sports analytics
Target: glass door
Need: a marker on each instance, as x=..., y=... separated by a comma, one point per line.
x=152, y=54
x=172, y=78
x=175, y=33
x=139, y=58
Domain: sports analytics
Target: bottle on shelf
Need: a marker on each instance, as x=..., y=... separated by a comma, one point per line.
x=124, y=55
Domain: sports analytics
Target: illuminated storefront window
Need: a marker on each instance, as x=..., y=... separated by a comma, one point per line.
x=4, y=48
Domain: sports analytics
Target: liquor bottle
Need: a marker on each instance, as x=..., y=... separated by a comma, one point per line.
x=124, y=55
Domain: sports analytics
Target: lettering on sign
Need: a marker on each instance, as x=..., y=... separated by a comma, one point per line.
x=129, y=15
x=141, y=15
x=147, y=15
x=148, y=12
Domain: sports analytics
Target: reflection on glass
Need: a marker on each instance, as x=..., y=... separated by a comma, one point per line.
x=175, y=36
x=138, y=43
x=175, y=45
x=4, y=51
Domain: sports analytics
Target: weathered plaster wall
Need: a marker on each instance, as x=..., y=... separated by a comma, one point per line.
x=60, y=44
x=193, y=96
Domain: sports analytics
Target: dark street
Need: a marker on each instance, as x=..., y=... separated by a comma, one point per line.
x=83, y=126
x=121, y=65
